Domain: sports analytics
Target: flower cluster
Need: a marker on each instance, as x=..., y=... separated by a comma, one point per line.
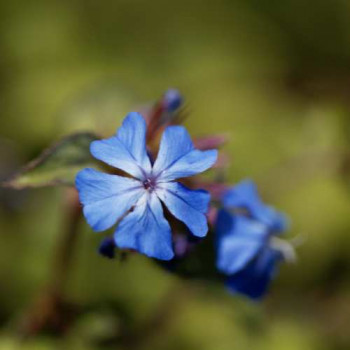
x=164, y=219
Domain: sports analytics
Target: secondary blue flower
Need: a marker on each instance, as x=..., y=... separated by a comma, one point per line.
x=248, y=248
x=136, y=201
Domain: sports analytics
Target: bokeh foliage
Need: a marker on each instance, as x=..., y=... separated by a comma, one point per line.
x=273, y=75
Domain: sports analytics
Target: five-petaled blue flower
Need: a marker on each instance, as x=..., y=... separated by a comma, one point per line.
x=136, y=201
x=247, y=247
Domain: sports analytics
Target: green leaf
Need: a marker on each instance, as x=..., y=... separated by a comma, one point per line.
x=57, y=165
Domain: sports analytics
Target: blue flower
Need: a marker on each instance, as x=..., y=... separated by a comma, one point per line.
x=248, y=248
x=136, y=201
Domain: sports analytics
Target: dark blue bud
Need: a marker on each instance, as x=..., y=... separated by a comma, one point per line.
x=107, y=248
x=172, y=100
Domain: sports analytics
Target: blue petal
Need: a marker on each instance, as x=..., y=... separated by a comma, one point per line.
x=245, y=195
x=186, y=205
x=127, y=149
x=281, y=222
x=253, y=281
x=239, y=241
x=275, y=220
x=146, y=230
x=178, y=158
x=242, y=195
x=106, y=197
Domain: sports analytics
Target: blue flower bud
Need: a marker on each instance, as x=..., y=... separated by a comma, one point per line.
x=107, y=248
x=172, y=100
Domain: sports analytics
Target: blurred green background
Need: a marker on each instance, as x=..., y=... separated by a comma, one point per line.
x=273, y=75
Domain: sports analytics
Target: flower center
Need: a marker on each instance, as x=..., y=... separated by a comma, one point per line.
x=149, y=184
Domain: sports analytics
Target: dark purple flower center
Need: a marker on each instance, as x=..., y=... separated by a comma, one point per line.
x=149, y=184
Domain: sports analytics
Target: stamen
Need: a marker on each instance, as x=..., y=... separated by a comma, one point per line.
x=149, y=184
x=285, y=248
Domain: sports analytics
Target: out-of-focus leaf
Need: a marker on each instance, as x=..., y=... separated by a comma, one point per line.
x=58, y=164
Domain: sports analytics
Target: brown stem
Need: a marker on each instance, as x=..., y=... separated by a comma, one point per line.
x=154, y=122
